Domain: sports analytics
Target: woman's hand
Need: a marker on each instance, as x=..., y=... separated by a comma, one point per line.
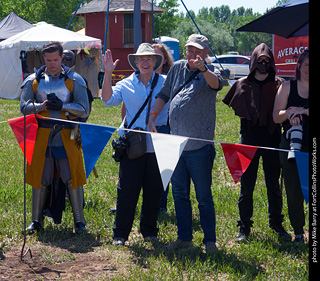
x=108, y=63
x=152, y=126
x=294, y=115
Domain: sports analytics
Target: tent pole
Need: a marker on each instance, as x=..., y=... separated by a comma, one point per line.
x=106, y=30
x=152, y=23
x=74, y=14
x=137, y=34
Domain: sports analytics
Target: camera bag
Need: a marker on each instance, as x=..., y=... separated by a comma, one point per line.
x=137, y=142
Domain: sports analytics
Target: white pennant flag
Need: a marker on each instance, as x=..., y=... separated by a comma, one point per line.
x=168, y=149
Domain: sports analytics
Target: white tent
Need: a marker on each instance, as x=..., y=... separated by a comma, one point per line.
x=31, y=41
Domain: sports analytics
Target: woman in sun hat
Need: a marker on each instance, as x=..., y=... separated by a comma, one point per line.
x=142, y=172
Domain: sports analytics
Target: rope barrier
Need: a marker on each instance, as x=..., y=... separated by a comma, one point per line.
x=146, y=132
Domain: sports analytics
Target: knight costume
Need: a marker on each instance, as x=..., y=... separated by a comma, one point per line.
x=56, y=152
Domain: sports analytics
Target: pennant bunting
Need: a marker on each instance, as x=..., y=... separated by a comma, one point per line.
x=17, y=126
x=168, y=149
x=94, y=139
x=302, y=160
x=238, y=158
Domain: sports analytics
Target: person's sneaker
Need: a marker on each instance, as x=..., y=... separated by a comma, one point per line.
x=211, y=248
x=152, y=239
x=178, y=244
x=117, y=241
x=299, y=239
x=279, y=229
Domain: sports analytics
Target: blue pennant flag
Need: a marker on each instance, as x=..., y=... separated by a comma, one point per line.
x=302, y=159
x=94, y=139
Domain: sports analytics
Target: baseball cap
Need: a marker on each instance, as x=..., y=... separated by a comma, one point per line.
x=197, y=40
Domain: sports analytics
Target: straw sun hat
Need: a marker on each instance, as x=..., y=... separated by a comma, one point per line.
x=145, y=49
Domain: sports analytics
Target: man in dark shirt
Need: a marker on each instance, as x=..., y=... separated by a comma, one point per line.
x=192, y=114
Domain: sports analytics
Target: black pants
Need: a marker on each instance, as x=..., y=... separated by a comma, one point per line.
x=293, y=188
x=259, y=136
x=134, y=174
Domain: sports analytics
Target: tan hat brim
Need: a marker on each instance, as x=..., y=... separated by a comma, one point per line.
x=132, y=59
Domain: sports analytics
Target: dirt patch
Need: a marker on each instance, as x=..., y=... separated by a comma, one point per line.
x=50, y=263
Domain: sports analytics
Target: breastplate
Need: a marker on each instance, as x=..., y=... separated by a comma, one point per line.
x=53, y=84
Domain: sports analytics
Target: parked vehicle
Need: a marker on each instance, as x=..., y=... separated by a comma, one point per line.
x=237, y=64
x=232, y=53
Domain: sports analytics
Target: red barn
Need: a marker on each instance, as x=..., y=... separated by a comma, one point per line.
x=120, y=38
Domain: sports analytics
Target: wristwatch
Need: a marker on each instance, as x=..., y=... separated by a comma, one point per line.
x=205, y=68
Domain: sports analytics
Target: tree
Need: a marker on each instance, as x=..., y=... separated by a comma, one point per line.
x=57, y=12
x=222, y=14
x=246, y=41
x=219, y=39
x=164, y=23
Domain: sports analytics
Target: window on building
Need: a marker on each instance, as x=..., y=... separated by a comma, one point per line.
x=128, y=29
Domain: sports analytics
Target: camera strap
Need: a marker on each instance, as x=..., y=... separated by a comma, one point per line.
x=154, y=83
x=191, y=77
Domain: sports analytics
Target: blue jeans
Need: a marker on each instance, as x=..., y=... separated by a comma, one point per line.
x=195, y=165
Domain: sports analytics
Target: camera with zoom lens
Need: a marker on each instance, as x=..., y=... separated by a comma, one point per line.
x=294, y=134
x=120, y=146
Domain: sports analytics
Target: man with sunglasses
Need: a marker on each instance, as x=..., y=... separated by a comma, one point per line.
x=252, y=99
x=69, y=59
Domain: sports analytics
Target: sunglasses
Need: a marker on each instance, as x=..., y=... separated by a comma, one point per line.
x=67, y=59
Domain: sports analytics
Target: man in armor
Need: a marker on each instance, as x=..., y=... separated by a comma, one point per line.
x=59, y=93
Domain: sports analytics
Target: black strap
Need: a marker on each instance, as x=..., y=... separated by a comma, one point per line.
x=154, y=83
x=194, y=74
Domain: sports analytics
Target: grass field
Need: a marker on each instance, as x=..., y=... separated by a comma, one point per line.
x=64, y=255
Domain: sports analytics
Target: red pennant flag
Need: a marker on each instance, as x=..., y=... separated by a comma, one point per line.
x=238, y=158
x=17, y=127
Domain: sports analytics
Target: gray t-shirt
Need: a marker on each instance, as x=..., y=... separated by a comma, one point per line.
x=192, y=111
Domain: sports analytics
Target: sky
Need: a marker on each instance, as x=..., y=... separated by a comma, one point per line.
x=258, y=6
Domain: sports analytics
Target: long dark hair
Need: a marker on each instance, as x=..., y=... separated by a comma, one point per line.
x=301, y=59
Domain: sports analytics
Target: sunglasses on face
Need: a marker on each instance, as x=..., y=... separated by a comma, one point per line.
x=266, y=61
x=67, y=59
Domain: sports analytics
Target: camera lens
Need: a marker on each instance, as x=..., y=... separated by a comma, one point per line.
x=120, y=148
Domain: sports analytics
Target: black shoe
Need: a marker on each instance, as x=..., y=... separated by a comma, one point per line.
x=299, y=239
x=242, y=237
x=243, y=234
x=80, y=227
x=279, y=229
x=118, y=241
x=33, y=226
x=112, y=210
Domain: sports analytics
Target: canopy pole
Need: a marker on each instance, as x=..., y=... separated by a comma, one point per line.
x=152, y=23
x=74, y=14
x=137, y=34
x=106, y=30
